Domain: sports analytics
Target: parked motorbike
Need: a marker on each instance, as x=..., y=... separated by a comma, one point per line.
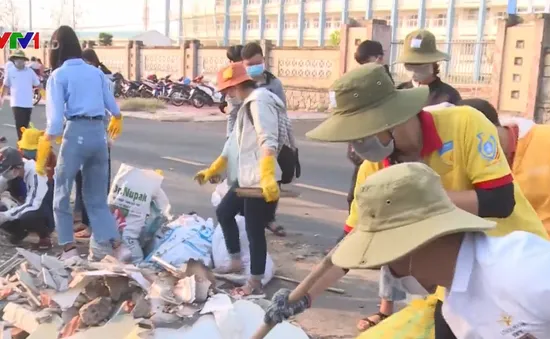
x=180, y=91
x=130, y=89
x=118, y=80
x=204, y=94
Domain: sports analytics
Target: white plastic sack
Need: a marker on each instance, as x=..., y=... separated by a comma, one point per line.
x=220, y=255
x=188, y=237
x=130, y=197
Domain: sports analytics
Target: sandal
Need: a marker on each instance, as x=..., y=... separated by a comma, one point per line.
x=278, y=230
x=367, y=322
x=83, y=234
x=248, y=292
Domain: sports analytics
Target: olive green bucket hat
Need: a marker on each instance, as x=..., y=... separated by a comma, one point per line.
x=18, y=54
x=420, y=47
x=365, y=102
x=401, y=209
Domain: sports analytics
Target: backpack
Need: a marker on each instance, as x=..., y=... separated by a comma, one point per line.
x=288, y=159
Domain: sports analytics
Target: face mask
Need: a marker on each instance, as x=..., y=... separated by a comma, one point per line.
x=407, y=284
x=19, y=63
x=420, y=73
x=372, y=149
x=255, y=71
x=9, y=175
x=29, y=154
x=233, y=100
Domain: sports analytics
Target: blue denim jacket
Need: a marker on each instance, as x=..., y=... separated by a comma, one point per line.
x=74, y=89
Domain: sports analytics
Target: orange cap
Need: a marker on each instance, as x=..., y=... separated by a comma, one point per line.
x=232, y=75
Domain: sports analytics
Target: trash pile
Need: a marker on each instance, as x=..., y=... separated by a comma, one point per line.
x=47, y=298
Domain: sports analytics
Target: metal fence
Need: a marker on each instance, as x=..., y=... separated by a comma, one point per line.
x=461, y=66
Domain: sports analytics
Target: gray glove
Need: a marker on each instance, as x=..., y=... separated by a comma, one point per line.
x=280, y=309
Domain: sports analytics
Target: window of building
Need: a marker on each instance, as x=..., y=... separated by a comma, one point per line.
x=499, y=15
x=235, y=24
x=195, y=27
x=219, y=25
x=253, y=2
x=219, y=2
x=252, y=24
x=235, y=2
x=290, y=24
x=538, y=9
x=412, y=20
x=439, y=20
x=337, y=23
x=472, y=14
x=315, y=23
x=328, y=23
x=523, y=10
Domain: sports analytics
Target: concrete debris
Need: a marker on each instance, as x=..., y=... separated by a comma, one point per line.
x=46, y=298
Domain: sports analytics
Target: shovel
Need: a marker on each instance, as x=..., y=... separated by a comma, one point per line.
x=254, y=192
x=299, y=292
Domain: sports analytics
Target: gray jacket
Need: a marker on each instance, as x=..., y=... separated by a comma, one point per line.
x=273, y=84
x=243, y=148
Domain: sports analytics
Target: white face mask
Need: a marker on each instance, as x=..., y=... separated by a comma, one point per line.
x=9, y=175
x=372, y=149
x=420, y=73
x=408, y=284
x=233, y=100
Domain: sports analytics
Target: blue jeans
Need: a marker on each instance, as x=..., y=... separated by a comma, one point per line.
x=386, y=289
x=84, y=148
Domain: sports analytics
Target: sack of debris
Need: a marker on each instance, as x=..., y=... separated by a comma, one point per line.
x=188, y=237
x=220, y=255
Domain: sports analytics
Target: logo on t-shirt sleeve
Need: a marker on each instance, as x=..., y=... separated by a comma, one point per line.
x=487, y=147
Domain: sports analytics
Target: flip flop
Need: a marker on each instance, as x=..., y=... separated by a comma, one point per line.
x=370, y=322
x=239, y=293
x=278, y=231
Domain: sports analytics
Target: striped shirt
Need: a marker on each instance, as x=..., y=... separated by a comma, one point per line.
x=37, y=187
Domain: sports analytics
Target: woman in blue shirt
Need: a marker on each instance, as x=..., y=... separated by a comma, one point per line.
x=78, y=93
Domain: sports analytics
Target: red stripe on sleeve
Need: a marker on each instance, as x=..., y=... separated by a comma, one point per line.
x=348, y=229
x=490, y=184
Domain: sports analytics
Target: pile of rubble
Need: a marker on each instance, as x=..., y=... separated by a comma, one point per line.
x=44, y=298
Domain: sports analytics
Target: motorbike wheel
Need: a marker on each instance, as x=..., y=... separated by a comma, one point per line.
x=198, y=101
x=145, y=94
x=36, y=98
x=177, y=99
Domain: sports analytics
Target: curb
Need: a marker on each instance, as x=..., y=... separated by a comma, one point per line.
x=170, y=117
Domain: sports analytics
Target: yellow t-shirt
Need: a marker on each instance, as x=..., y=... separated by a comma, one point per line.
x=462, y=146
x=531, y=165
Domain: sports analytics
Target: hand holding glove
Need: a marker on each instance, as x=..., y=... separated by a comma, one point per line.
x=42, y=153
x=217, y=167
x=115, y=127
x=270, y=187
x=280, y=308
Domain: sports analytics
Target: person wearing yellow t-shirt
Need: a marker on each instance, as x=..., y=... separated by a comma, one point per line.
x=526, y=146
x=386, y=126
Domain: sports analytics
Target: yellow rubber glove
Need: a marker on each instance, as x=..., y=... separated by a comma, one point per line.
x=217, y=167
x=115, y=127
x=270, y=187
x=42, y=153
x=58, y=140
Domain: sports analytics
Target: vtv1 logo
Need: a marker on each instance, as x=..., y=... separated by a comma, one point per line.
x=17, y=39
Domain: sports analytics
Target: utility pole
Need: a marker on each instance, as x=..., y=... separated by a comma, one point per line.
x=167, y=19
x=74, y=16
x=180, y=23
x=30, y=15
x=146, y=15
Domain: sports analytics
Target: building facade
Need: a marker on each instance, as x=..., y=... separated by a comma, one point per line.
x=313, y=22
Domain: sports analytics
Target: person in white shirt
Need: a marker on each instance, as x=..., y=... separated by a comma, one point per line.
x=496, y=287
x=34, y=211
x=35, y=66
x=20, y=80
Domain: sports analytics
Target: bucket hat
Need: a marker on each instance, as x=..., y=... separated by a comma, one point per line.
x=401, y=208
x=420, y=47
x=232, y=75
x=365, y=102
x=18, y=54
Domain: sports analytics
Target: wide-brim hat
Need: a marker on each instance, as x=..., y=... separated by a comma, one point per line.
x=401, y=209
x=365, y=102
x=420, y=47
x=232, y=75
x=18, y=54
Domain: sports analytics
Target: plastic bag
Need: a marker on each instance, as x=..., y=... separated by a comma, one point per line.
x=187, y=237
x=130, y=197
x=220, y=255
x=415, y=321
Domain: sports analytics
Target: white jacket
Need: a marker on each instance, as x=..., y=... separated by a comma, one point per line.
x=244, y=147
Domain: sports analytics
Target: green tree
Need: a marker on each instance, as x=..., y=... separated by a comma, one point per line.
x=105, y=39
x=335, y=38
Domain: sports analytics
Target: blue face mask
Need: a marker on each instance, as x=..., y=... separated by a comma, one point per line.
x=29, y=154
x=255, y=71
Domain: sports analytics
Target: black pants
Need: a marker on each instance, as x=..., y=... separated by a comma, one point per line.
x=22, y=116
x=351, y=192
x=257, y=214
x=442, y=329
x=78, y=180
x=39, y=221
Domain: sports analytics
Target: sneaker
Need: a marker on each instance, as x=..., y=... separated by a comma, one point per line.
x=122, y=254
x=73, y=252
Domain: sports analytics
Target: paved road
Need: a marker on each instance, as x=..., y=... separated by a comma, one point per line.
x=181, y=148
